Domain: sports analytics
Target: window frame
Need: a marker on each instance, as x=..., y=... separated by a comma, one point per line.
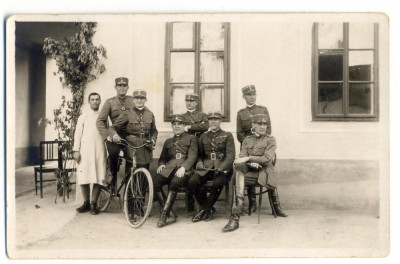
x=197, y=83
x=346, y=116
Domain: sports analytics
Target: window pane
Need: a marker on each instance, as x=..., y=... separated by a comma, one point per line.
x=330, y=36
x=212, y=67
x=182, y=67
x=177, y=98
x=330, y=67
x=360, y=98
x=182, y=35
x=360, y=65
x=212, y=98
x=361, y=36
x=212, y=36
x=330, y=98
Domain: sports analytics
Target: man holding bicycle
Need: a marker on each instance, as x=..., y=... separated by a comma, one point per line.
x=112, y=109
x=177, y=158
x=139, y=127
x=215, y=158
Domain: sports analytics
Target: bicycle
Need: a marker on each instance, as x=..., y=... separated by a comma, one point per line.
x=138, y=192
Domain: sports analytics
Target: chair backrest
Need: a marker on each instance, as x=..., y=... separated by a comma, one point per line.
x=49, y=151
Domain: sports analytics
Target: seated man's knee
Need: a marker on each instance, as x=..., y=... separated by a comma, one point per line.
x=176, y=183
x=242, y=167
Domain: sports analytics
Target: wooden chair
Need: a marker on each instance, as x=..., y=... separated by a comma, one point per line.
x=48, y=151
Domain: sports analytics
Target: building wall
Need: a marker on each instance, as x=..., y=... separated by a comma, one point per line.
x=268, y=56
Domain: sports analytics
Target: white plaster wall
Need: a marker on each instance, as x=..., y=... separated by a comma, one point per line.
x=274, y=54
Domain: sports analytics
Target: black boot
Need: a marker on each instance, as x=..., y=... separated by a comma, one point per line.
x=251, y=192
x=84, y=208
x=93, y=208
x=209, y=215
x=160, y=196
x=233, y=223
x=199, y=216
x=167, y=208
x=85, y=188
x=277, y=204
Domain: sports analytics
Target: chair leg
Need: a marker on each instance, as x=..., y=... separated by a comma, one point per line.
x=259, y=203
x=227, y=196
x=36, y=182
x=271, y=203
x=41, y=185
x=187, y=201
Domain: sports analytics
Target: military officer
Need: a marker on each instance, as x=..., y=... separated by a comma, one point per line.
x=139, y=127
x=177, y=158
x=112, y=109
x=216, y=151
x=254, y=165
x=196, y=123
x=244, y=126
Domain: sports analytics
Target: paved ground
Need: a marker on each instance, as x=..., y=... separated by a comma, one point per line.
x=48, y=230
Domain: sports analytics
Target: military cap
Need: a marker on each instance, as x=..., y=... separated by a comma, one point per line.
x=214, y=115
x=260, y=118
x=177, y=118
x=139, y=93
x=121, y=81
x=191, y=97
x=249, y=89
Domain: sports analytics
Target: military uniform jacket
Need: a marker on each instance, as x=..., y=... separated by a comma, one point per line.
x=244, y=121
x=260, y=149
x=139, y=126
x=198, y=122
x=216, y=150
x=178, y=151
x=113, y=108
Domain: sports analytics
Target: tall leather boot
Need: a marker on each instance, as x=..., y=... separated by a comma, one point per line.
x=211, y=200
x=277, y=204
x=161, y=200
x=251, y=191
x=85, y=188
x=233, y=223
x=238, y=207
x=167, y=208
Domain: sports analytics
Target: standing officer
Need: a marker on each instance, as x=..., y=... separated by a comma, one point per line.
x=244, y=126
x=216, y=151
x=177, y=158
x=112, y=109
x=139, y=127
x=254, y=165
x=196, y=123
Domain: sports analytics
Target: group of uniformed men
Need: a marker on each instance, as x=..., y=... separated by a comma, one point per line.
x=198, y=152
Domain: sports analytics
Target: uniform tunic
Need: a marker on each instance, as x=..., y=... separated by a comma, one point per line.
x=197, y=121
x=259, y=149
x=216, y=150
x=138, y=126
x=88, y=141
x=244, y=121
x=113, y=108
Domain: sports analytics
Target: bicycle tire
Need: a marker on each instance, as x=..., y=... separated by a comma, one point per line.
x=138, y=197
x=104, y=199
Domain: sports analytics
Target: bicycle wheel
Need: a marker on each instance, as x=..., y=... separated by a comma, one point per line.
x=104, y=199
x=138, y=197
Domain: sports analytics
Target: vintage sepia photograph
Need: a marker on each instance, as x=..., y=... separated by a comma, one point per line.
x=167, y=136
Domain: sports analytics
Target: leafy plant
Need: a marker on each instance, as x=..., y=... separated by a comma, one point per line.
x=78, y=61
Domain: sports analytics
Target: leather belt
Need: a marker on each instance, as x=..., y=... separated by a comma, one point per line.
x=180, y=156
x=216, y=156
x=140, y=135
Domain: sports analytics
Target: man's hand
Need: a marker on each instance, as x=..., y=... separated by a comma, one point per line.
x=255, y=165
x=77, y=156
x=241, y=160
x=149, y=144
x=187, y=128
x=180, y=172
x=200, y=166
x=159, y=170
x=116, y=138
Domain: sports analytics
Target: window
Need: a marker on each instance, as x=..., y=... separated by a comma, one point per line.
x=345, y=72
x=197, y=60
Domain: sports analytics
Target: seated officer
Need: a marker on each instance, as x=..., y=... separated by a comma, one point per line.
x=177, y=158
x=216, y=151
x=254, y=165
